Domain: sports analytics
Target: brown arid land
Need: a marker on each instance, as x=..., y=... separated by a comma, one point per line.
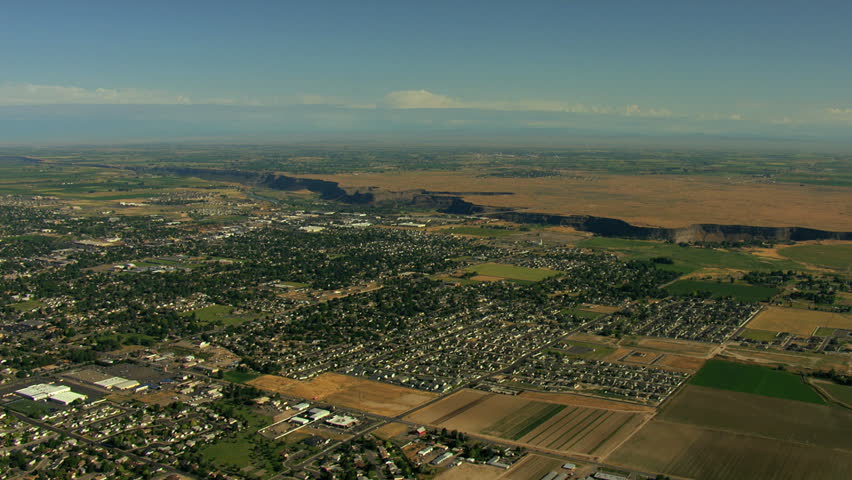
x=652, y=200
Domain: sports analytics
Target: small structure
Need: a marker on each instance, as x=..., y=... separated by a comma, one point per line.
x=342, y=421
x=318, y=413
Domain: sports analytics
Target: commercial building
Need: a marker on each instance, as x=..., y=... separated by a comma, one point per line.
x=42, y=391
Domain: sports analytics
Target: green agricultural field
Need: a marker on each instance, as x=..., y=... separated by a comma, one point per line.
x=841, y=393
x=740, y=377
x=237, y=376
x=512, y=272
x=688, y=259
x=745, y=293
x=758, y=335
x=517, y=424
x=838, y=257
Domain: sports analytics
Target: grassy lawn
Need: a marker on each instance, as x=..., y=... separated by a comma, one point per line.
x=512, y=272
x=597, y=352
x=237, y=376
x=838, y=257
x=239, y=451
x=30, y=408
x=824, y=331
x=745, y=293
x=220, y=313
x=27, y=306
x=758, y=335
x=740, y=377
x=687, y=259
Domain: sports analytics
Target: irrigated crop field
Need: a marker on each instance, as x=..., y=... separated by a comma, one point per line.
x=551, y=426
x=832, y=255
x=797, y=321
x=723, y=435
x=695, y=452
x=755, y=379
x=346, y=391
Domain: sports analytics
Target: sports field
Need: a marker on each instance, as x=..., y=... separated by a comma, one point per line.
x=798, y=321
x=744, y=293
x=513, y=272
x=346, y=391
x=765, y=381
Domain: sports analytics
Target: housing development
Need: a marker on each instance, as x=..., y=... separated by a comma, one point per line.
x=193, y=321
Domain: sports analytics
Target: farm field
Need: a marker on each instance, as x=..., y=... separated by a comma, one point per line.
x=745, y=293
x=550, y=426
x=695, y=452
x=798, y=321
x=837, y=392
x=821, y=425
x=687, y=259
x=512, y=272
x=833, y=255
x=661, y=200
x=755, y=379
x=680, y=362
x=470, y=471
x=346, y=391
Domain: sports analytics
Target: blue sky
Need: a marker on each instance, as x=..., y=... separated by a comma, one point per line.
x=756, y=67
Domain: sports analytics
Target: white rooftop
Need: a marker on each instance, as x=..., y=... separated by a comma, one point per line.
x=39, y=389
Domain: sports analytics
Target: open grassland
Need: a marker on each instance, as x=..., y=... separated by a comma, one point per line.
x=513, y=272
x=664, y=200
x=480, y=231
x=740, y=377
x=688, y=259
x=350, y=392
x=798, y=321
x=745, y=293
x=807, y=423
x=834, y=255
x=572, y=424
x=695, y=452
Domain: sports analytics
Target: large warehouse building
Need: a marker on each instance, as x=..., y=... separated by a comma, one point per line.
x=42, y=391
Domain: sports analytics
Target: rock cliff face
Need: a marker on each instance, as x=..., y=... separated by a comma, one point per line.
x=452, y=202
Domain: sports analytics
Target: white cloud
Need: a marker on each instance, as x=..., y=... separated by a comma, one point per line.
x=408, y=99
x=31, y=94
x=421, y=99
x=839, y=111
